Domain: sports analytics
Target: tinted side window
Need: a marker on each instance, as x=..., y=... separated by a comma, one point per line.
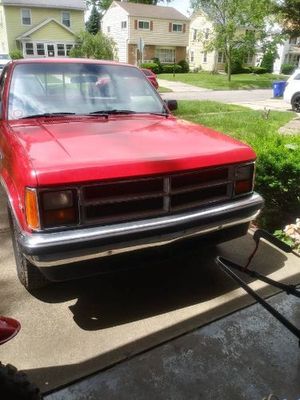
x=297, y=77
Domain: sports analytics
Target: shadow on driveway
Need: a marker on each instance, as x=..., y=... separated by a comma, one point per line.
x=156, y=282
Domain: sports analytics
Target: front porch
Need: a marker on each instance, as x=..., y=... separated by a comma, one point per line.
x=166, y=54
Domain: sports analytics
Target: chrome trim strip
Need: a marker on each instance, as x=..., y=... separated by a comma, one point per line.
x=137, y=245
x=80, y=236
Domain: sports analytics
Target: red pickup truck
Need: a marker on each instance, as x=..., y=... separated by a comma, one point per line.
x=93, y=163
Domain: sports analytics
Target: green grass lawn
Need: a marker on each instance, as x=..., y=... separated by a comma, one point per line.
x=240, y=122
x=220, y=82
x=278, y=156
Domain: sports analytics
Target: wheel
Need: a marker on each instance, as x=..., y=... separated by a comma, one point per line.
x=296, y=102
x=15, y=385
x=29, y=275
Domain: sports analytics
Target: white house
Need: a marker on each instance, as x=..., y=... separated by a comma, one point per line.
x=288, y=53
x=161, y=32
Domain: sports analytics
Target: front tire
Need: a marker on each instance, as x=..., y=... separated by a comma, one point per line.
x=15, y=385
x=29, y=275
x=296, y=102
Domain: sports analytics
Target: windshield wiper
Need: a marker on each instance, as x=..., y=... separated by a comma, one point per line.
x=49, y=115
x=163, y=114
x=110, y=112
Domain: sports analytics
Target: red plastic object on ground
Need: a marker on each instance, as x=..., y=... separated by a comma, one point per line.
x=9, y=327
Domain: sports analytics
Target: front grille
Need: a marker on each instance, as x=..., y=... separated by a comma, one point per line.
x=126, y=200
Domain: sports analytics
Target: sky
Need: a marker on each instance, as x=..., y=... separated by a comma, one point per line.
x=180, y=5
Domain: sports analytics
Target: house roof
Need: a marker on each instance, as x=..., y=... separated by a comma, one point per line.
x=39, y=26
x=148, y=11
x=62, y=4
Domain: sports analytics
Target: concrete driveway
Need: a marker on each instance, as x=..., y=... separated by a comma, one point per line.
x=73, y=329
x=257, y=99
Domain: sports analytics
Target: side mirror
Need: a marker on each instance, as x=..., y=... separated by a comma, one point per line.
x=171, y=104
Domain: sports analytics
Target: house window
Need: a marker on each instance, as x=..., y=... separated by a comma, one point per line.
x=144, y=25
x=205, y=56
x=165, y=55
x=293, y=40
x=29, y=49
x=176, y=27
x=26, y=16
x=194, y=34
x=206, y=33
x=123, y=24
x=221, y=57
x=249, y=59
x=40, y=49
x=61, y=49
x=192, y=56
x=292, y=58
x=69, y=47
x=66, y=18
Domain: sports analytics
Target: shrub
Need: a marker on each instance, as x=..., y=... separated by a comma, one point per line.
x=184, y=65
x=247, y=70
x=157, y=61
x=287, y=69
x=278, y=181
x=15, y=54
x=170, y=68
x=236, y=67
x=259, y=70
x=153, y=66
x=99, y=46
x=268, y=61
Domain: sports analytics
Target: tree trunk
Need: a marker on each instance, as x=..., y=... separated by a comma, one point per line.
x=229, y=70
x=229, y=66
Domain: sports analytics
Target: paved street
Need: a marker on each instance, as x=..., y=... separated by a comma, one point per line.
x=257, y=99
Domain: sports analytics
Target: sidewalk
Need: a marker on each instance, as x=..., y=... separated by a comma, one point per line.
x=257, y=99
x=181, y=87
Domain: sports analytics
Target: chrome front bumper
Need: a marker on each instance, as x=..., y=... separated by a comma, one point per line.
x=59, y=248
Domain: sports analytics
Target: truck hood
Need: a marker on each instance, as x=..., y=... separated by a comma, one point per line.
x=73, y=150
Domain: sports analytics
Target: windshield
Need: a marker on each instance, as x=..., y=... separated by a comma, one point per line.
x=4, y=57
x=80, y=88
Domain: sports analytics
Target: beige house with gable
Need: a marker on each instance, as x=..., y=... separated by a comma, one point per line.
x=40, y=28
x=162, y=32
x=201, y=31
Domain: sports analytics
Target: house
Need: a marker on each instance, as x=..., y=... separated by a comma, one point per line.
x=40, y=28
x=201, y=32
x=143, y=32
x=288, y=53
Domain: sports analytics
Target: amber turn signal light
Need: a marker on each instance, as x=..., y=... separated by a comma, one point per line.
x=52, y=218
x=243, y=186
x=31, y=209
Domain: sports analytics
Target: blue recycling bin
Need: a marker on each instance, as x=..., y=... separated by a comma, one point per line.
x=278, y=88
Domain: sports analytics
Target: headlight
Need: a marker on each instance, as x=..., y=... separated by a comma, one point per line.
x=59, y=208
x=244, y=179
x=57, y=200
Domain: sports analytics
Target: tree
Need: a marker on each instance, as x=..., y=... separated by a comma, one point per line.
x=93, y=23
x=237, y=25
x=289, y=14
x=97, y=46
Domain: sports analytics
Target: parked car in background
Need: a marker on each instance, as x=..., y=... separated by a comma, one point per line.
x=151, y=76
x=292, y=90
x=4, y=59
x=93, y=164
